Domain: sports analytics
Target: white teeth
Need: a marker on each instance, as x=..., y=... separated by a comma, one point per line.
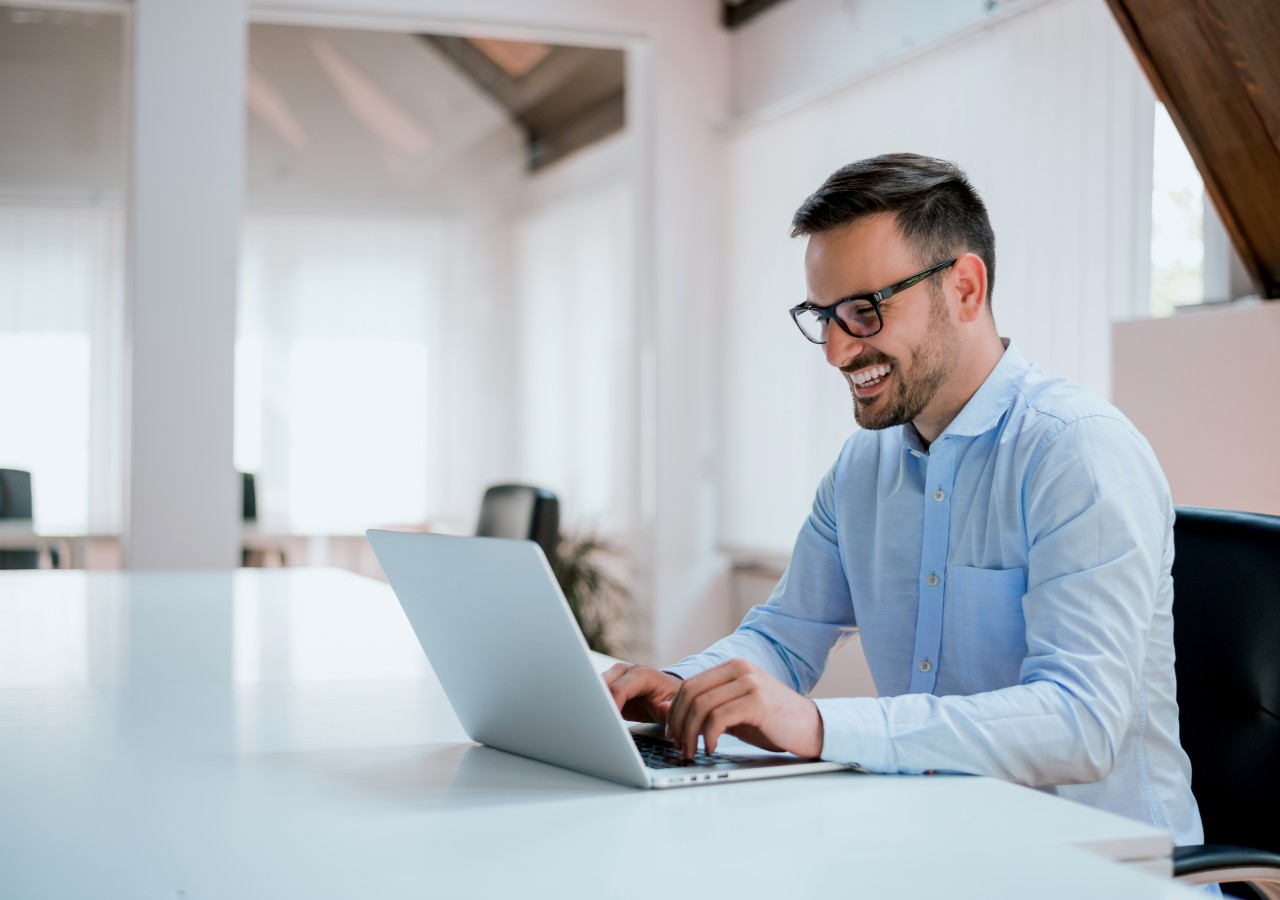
x=875, y=373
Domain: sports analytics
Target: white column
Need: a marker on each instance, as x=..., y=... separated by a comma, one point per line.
x=684, y=349
x=182, y=501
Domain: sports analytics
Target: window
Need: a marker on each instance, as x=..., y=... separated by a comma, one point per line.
x=61, y=290
x=332, y=374
x=62, y=105
x=1177, y=222
x=574, y=264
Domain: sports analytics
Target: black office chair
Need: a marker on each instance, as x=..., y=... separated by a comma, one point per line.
x=249, y=514
x=523, y=512
x=15, y=503
x=255, y=557
x=248, y=497
x=1226, y=610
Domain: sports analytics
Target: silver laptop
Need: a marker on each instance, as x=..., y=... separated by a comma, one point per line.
x=514, y=665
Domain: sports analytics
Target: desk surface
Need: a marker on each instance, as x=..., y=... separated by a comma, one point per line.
x=280, y=734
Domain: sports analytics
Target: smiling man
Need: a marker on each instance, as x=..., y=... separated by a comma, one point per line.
x=1001, y=540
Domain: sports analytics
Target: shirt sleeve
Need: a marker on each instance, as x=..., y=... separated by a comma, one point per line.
x=1097, y=514
x=808, y=615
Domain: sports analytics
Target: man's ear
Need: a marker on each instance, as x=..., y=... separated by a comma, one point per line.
x=969, y=281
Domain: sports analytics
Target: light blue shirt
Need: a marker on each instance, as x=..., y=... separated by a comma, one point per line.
x=1012, y=588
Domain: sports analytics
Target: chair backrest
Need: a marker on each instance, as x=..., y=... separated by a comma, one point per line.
x=248, y=497
x=523, y=512
x=15, y=503
x=15, y=494
x=1226, y=610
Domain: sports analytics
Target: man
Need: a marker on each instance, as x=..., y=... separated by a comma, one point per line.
x=1002, y=540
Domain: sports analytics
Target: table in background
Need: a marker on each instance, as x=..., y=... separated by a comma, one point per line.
x=78, y=545
x=81, y=546
x=278, y=733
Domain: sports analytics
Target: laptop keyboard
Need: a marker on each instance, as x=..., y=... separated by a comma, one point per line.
x=660, y=754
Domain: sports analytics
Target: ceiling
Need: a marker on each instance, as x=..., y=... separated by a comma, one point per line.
x=561, y=98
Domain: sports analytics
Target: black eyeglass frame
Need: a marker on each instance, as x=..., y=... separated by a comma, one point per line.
x=827, y=313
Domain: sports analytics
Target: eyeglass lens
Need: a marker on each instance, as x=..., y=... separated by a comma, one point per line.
x=859, y=316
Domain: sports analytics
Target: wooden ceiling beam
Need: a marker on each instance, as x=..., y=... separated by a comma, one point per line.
x=1215, y=64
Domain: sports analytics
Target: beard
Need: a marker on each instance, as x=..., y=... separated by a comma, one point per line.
x=933, y=362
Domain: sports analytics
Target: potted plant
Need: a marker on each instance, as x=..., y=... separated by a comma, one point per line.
x=586, y=567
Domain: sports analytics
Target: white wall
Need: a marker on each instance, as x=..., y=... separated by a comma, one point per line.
x=1050, y=116
x=799, y=50
x=1199, y=386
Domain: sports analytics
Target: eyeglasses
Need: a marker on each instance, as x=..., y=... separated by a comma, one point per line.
x=860, y=316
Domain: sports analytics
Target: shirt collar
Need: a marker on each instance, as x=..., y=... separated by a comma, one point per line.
x=987, y=405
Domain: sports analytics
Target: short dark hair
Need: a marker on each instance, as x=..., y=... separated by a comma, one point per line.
x=938, y=211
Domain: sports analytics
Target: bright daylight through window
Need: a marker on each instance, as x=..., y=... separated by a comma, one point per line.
x=62, y=177
x=1177, y=221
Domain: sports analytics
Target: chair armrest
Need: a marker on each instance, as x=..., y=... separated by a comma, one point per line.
x=1219, y=864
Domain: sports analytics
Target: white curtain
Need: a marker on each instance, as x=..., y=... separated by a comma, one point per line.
x=574, y=264
x=337, y=330
x=61, y=326
x=1051, y=117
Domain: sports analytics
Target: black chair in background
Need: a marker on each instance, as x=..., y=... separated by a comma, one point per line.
x=249, y=514
x=248, y=497
x=15, y=504
x=1226, y=612
x=522, y=512
x=15, y=494
x=256, y=556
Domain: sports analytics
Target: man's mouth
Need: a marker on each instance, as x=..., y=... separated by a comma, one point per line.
x=867, y=382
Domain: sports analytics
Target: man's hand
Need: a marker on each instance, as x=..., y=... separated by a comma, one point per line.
x=743, y=700
x=643, y=694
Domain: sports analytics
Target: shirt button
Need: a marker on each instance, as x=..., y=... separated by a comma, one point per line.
x=925, y=665
x=932, y=581
x=938, y=495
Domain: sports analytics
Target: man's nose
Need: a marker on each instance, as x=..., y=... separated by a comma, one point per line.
x=841, y=348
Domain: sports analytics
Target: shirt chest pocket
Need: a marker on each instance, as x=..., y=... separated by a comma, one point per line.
x=984, y=611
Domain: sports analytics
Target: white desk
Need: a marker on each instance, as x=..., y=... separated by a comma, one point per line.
x=279, y=734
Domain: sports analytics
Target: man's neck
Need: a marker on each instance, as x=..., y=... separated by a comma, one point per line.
x=969, y=377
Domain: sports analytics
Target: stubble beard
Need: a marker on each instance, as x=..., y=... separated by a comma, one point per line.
x=932, y=364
